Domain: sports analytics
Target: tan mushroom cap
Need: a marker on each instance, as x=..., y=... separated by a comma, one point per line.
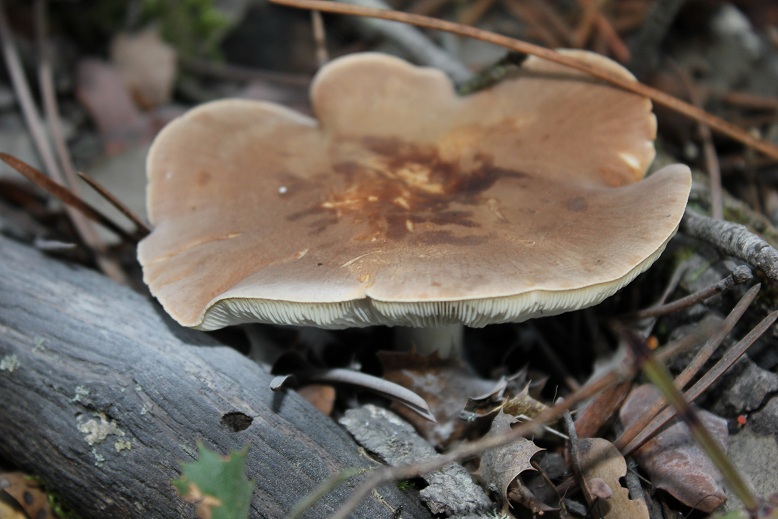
x=405, y=204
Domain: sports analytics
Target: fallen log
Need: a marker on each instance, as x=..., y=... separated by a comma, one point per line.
x=103, y=397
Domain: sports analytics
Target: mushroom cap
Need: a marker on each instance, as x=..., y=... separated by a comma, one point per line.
x=405, y=204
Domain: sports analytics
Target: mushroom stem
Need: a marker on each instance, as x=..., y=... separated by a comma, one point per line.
x=446, y=340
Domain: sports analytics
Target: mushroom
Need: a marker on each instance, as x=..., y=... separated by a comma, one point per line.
x=404, y=204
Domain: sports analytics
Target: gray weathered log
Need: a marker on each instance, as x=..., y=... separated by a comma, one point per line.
x=79, y=353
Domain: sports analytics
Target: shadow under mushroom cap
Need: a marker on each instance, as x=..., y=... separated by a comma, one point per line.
x=405, y=204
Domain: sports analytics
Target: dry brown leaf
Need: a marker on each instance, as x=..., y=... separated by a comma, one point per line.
x=320, y=396
x=601, y=410
x=147, y=64
x=672, y=459
x=502, y=465
x=27, y=493
x=599, y=465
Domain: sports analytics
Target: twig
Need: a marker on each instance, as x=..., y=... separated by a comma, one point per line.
x=733, y=239
x=739, y=275
x=64, y=194
x=699, y=387
x=143, y=229
x=387, y=474
x=468, y=450
x=628, y=436
x=37, y=129
x=660, y=377
x=655, y=95
x=385, y=388
x=410, y=39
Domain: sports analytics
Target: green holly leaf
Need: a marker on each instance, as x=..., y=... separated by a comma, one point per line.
x=217, y=484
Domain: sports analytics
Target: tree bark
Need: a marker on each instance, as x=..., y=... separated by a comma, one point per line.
x=104, y=397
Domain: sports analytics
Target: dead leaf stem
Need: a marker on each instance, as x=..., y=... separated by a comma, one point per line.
x=628, y=436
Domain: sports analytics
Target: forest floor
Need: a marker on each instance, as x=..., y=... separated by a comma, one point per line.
x=105, y=76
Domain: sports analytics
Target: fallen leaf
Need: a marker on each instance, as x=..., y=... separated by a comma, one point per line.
x=502, y=465
x=218, y=485
x=673, y=460
x=320, y=396
x=599, y=465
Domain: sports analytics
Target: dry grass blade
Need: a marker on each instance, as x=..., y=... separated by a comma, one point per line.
x=729, y=358
x=655, y=95
x=628, y=436
x=739, y=275
x=64, y=194
x=660, y=376
x=388, y=474
x=143, y=229
x=377, y=385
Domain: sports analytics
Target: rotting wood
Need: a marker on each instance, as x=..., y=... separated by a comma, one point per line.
x=76, y=347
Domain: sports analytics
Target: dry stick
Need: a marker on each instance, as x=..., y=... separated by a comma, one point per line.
x=143, y=229
x=739, y=275
x=410, y=39
x=734, y=240
x=709, y=151
x=37, y=129
x=628, y=435
x=660, y=376
x=64, y=194
x=395, y=392
x=387, y=474
x=727, y=361
x=655, y=95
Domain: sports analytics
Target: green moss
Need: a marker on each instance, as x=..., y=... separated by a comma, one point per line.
x=194, y=27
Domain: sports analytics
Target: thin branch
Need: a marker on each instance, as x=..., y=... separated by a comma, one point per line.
x=660, y=376
x=655, y=95
x=739, y=275
x=64, y=194
x=734, y=240
x=143, y=229
x=385, y=388
x=628, y=436
x=727, y=361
